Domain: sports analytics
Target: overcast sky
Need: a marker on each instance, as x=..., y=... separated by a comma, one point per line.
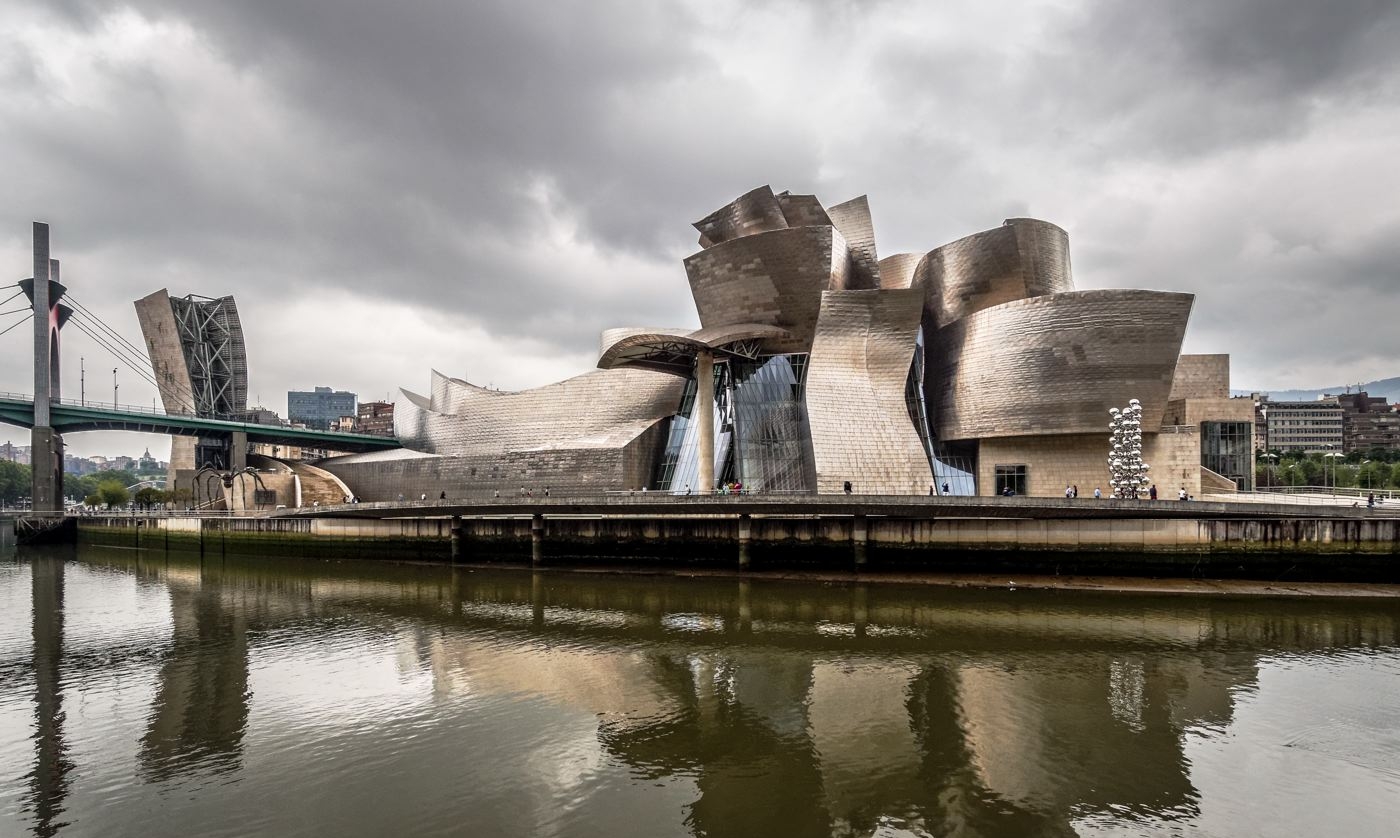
x=482, y=187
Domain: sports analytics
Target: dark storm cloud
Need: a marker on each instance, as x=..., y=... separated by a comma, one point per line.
x=524, y=173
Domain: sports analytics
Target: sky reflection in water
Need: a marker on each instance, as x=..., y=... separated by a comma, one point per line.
x=154, y=695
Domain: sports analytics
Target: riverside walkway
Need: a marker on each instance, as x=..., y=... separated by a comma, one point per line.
x=657, y=504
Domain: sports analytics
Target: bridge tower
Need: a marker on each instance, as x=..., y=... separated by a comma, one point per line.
x=46, y=453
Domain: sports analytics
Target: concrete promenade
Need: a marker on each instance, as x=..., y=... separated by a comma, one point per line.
x=917, y=507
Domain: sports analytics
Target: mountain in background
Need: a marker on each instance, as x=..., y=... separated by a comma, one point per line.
x=1388, y=387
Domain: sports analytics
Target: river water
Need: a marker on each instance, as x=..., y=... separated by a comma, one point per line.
x=151, y=695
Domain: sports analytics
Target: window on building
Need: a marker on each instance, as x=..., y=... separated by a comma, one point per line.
x=1013, y=477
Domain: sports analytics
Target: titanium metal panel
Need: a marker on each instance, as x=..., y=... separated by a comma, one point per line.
x=1201, y=377
x=600, y=409
x=853, y=220
x=774, y=278
x=861, y=429
x=897, y=271
x=803, y=210
x=1055, y=364
x=1021, y=259
x=753, y=212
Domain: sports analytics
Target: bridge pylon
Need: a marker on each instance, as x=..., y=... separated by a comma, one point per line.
x=45, y=294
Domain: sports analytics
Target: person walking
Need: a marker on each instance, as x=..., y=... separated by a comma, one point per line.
x=546, y=491
x=1076, y=491
x=1098, y=493
x=1152, y=492
x=1371, y=501
x=945, y=488
x=847, y=487
x=442, y=495
x=1181, y=495
x=1069, y=493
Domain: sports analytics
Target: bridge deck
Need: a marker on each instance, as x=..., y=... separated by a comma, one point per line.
x=73, y=417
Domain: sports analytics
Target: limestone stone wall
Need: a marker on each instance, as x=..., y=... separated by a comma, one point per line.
x=1202, y=377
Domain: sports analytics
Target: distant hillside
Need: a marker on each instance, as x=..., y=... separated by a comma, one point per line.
x=1388, y=387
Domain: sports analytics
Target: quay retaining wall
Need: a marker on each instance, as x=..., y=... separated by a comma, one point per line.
x=1268, y=548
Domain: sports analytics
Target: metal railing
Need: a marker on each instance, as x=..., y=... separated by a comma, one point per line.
x=242, y=418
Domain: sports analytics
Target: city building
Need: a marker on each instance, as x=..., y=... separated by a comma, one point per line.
x=1368, y=423
x=320, y=408
x=375, y=418
x=1307, y=426
x=15, y=453
x=819, y=367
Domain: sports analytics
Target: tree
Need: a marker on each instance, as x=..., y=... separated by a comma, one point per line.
x=149, y=497
x=112, y=493
x=14, y=481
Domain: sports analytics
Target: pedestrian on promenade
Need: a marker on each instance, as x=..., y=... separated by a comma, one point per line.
x=687, y=489
x=1076, y=491
x=496, y=494
x=945, y=487
x=1371, y=501
x=423, y=496
x=1152, y=493
x=1181, y=495
x=930, y=490
x=522, y=491
x=847, y=487
x=1069, y=493
x=442, y=495
x=546, y=491
x=1098, y=493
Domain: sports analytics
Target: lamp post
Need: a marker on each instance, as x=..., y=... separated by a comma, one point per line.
x=1333, y=457
x=114, y=388
x=1269, y=469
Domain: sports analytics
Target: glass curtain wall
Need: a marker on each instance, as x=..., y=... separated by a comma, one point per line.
x=774, y=442
x=1226, y=449
x=954, y=466
x=678, y=469
x=762, y=437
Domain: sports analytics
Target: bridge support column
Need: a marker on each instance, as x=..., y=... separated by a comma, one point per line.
x=46, y=460
x=859, y=537
x=745, y=530
x=456, y=536
x=238, y=451
x=536, y=539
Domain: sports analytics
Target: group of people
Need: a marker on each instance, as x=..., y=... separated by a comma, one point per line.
x=731, y=488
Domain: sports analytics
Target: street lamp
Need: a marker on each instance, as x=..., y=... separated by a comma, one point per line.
x=1331, y=456
x=114, y=388
x=1269, y=469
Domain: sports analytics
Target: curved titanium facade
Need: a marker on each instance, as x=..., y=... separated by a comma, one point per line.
x=817, y=363
x=861, y=430
x=852, y=219
x=603, y=408
x=1023, y=258
x=1055, y=364
x=774, y=278
x=756, y=211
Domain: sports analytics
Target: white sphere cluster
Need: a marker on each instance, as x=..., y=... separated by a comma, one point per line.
x=1127, y=473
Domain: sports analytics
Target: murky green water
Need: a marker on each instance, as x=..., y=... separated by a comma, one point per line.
x=148, y=695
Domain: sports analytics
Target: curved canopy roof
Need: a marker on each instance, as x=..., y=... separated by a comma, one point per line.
x=675, y=353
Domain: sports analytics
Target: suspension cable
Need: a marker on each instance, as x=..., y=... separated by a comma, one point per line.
x=133, y=348
x=12, y=296
x=25, y=319
x=102, y=342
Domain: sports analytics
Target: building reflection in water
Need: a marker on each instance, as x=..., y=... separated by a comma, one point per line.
x=793, y=709
x=200, y=710
x=49, y=781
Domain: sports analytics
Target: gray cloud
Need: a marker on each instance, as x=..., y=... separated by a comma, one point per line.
x=523, y=174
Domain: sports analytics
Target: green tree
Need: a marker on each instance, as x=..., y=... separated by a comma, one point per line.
x=1373, y=475
x=14, y=481
x=113, y=493
x=149, y=497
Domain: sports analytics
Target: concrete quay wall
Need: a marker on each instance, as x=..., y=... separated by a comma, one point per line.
x=1350, y=548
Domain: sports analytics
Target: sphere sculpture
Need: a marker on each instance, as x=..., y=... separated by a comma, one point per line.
x=1127, y=473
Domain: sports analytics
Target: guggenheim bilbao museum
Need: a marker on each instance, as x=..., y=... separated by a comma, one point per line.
x=973, y=368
